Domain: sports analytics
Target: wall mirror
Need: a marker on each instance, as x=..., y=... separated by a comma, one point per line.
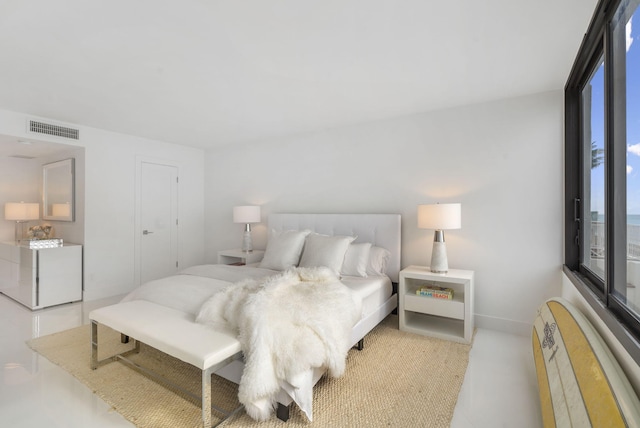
x=58, y=190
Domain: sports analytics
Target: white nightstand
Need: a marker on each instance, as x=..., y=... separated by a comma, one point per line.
x=445, y=319
x=237, y=256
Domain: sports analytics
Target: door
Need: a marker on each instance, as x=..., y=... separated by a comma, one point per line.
x=158, y=202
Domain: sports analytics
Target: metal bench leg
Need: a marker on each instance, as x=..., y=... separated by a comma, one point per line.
x=206, y=398
x=95, y=363
x=94, y=345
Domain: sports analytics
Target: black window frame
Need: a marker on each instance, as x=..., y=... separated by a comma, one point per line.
x=597, y=44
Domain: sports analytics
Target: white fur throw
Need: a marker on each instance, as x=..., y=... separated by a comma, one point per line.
x=287, y=324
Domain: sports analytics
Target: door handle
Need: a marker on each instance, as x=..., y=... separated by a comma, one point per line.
x=146, y=232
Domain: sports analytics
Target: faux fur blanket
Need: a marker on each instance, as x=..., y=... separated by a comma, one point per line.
x=287, y=324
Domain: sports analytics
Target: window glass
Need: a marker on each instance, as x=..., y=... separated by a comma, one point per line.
x=626, y=91
x=594, y=174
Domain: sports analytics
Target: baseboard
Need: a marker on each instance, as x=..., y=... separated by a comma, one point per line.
x=90, y=295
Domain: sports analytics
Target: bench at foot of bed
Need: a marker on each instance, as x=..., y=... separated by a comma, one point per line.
x=177, y=334
x=172, y=332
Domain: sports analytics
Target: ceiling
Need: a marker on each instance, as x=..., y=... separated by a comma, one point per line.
x=210, y=72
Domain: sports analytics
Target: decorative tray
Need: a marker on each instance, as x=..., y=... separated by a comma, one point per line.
x=42, y=243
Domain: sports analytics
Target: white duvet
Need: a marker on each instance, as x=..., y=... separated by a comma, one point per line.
x=189, y=289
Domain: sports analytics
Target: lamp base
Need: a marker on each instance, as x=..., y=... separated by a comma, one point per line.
x=439, y=263
x=19, y=232
x=247, y=244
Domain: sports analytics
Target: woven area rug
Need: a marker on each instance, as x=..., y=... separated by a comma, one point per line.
x=399, y=379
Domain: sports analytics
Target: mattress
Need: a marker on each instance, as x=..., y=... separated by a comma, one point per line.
x=373, y=291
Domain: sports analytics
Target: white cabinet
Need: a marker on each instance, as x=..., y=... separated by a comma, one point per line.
x=239, y=257
x=442, y=318
x=44, y=277
x=9, y=265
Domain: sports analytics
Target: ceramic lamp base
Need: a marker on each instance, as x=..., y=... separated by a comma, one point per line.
x=247, y=244
x=439, y=263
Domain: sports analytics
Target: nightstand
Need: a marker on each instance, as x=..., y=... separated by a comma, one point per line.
x=429, y=316
x=237, y=256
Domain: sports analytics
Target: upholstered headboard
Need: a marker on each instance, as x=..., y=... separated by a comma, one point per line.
x=382, y=230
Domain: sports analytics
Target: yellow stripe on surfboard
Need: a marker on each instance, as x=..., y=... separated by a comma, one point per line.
x=597, y=394
x=548, y=418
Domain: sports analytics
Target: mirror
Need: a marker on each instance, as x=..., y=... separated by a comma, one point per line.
x=58, y=190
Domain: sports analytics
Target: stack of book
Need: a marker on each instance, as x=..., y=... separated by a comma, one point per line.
x=435, y=292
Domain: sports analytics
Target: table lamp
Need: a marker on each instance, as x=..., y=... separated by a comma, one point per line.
x=21, y=212
x=246, y=214
x=439, y=217
x=61, y=210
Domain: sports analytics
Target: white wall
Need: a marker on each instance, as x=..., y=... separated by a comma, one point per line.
x=111, y=163
x=501, y=160
x=109, y=202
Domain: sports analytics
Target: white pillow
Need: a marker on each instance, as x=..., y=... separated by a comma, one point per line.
x=324, y=250
x=356, y=260
x=283, y=250
x=378, y=260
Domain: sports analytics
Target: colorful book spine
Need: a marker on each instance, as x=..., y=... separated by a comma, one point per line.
x=435, y=292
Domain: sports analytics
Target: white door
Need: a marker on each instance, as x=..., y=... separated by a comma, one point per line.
x=158, y=220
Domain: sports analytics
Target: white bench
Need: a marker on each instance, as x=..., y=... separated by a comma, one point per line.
x=173, y=332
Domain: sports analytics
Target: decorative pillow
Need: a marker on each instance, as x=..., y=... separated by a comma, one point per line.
x=378, y=260
x=283, y=250
x=356, y=260
x=324, y=250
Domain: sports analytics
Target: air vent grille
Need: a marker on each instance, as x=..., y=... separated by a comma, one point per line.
x=55, y=130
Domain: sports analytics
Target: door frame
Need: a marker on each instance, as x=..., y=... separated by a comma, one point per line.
x=138, y=212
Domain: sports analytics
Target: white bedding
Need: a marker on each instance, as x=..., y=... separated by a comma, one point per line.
x=373, y=291
x=190, y=288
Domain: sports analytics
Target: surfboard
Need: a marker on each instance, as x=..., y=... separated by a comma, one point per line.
x=580, y=382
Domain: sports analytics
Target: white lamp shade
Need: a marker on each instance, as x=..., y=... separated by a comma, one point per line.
x=61, y=210
x=440, y=216
x=21, y=211
x=246, y=214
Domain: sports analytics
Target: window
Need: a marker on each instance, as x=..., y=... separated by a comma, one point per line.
x=602, y=169
x=593, y=214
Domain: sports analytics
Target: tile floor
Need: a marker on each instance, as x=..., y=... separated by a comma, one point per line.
x=499, y=388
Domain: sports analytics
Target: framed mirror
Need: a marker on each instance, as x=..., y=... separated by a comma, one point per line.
x=58, y=190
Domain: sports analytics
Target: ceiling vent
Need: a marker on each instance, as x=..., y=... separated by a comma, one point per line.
x=38, y=127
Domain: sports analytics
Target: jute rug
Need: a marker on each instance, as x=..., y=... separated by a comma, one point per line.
x=399, y=379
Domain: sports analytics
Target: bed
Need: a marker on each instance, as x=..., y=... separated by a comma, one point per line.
x=181, y=314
